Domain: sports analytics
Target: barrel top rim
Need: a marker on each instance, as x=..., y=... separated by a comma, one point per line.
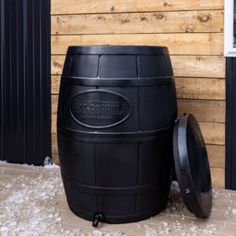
x=118, y=50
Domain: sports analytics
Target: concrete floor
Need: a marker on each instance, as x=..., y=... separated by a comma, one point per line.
x=32, y=202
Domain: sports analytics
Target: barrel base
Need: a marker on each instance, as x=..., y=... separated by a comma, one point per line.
x=84, y=205
x=118, y=219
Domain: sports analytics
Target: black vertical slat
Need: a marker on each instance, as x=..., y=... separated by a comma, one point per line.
x=2, y=69
x=6, y=62
x=25, y=81
x=18, y=84
x=30, y=118
x=26, y=36
x=230, y=165
x=9, y=30
x=46, y=93
x=37, y=77
x=32, y=106
x=25, y=73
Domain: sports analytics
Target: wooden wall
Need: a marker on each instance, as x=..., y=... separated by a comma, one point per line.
x=193, y=31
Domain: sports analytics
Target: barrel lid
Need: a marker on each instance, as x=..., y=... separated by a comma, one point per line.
x=192, y=166
x=118, y=50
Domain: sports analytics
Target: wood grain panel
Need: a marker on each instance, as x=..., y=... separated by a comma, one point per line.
x=216, y=155
x=191, y=29
x=54, y=102
x=54, y=143
x=218, y=177
x=181, y=44
x=199, y=66
x=55, y=84
x=193, y=88
x=217, y=174
x=204, y=110
x=54, y=123
x=57, y=63
x=101, y=6
x=213, y=133
x=126, y=23
x=184, y=66
x=190, y=88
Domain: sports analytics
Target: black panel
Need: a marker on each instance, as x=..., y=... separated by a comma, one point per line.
x=158, y=66
x=25, y=81
x=84, y=66
x=230, y=171
x=119, y=66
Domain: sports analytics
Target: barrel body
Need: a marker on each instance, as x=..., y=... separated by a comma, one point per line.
x=117, y=107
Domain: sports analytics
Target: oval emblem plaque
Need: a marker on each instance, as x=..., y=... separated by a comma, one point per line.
x=99, y=109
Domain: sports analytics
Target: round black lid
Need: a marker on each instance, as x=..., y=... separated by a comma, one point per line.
x=192, y=166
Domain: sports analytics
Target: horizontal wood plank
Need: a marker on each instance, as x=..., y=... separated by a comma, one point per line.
x=184, y=66
x=126, y=23
x=54, y=102
x=190, y=88
x=54, y=123
x=204, y=110
x=107, y=6
x=216, y=155
x=181, y=44
x=57, y=63
x=218, y=177
x=199, y=66
x=217, y=174
x=195, y=88
x=214, y=133
x=55, y=84
x=54, y=143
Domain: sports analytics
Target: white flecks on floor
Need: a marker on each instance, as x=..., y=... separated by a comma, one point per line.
x=32, y=202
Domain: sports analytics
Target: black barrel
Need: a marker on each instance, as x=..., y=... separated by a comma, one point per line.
x=117, y=108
